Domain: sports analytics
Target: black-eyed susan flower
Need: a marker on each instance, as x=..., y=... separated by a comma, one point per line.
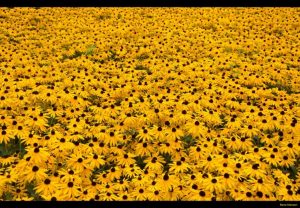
x=94, y=161
x=179, y=166
x=112, y=138
x=207, y=163
x=35, y=173
x=159, y=132
x=255, y=170
x=154, y=194
x=139, y=194
x=103, y=178
x=174, y=133
x=77, y=162
x=114, y=173
x=214, y=185
x=155, y=163
x=175, y=193
x=144, y=148
x=145, y=135
x=19, y=192
x=132, y=171
x=289, y=148
x=108, y=196
x=264, y=185
x=167, y=182
x=196, y=129
x=38, y=154
x=6, y=135
x=69, y=175
x=286, y=160
x=69, y=190
x=47, y=187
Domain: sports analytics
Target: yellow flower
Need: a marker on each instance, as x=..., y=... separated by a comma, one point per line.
x=77, y=162
x=132, y=171
x=112, y=138
x=69, y=190
x=213, y=185
x=144, y=149
x=94, y=161
x=196, y=129
x=154, y=195
x=34, y=173
x=154, y=163
x=69, y=175
x=167, y=182
x=289, y=148
x=19, y=193
x=6, y=135
x=159, y=133
x=255, y=170
x=145, y=135
x=38, y=155
x=179, y=166
x=175, y=193
x=114, y=173
x=174, y=133
x=249, y=131
x=47, y=187
x=108, y=196
x=264, y=185
x=139, y=194
x=286, y=160
x=207, y=163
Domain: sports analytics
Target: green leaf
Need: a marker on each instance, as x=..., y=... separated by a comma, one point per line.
x=142, y=56
x=52, y=121
x=90, y=49
x=188, y=141
x=31, y=192
x=140, y=161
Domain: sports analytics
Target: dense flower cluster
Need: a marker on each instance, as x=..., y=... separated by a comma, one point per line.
x=149, y=104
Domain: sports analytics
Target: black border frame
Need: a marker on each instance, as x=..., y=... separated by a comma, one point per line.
x=152, y=204
x=149, y=3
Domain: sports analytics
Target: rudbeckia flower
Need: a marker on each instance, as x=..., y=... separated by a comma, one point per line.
x=155, y=163
x=35, y=173
x=47, y=187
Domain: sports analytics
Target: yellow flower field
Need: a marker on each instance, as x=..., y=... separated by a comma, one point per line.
x=150, y=104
